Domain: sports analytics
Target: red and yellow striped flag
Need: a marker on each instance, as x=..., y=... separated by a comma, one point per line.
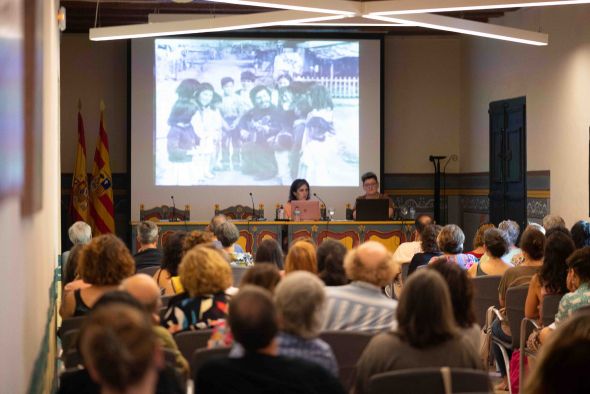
x=79, y=199
x=101, y=187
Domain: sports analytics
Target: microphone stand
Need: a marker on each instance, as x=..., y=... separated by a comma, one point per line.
x=327, y=218
x=173, y=218
x=254, y=214
x=436, y=162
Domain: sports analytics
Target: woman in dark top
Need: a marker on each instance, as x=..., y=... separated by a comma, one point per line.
x=429, y=247
x=330, y=255
x=269, y=251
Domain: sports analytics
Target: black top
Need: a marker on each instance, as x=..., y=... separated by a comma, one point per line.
x=420, y=259
x=151, y=257
x=262, y=374
x=81, y=308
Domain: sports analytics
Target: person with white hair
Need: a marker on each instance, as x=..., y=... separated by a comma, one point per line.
x=148, y=254
x=300, y=299
x=551, y=221
x=79, y=233
x=361, y=305
x=512, y=230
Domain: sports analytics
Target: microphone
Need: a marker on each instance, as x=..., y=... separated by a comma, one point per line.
x=325, y=205
x=254, y=214
x=173, y=218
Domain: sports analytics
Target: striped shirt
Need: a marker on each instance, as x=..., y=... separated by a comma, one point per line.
x=359, y=306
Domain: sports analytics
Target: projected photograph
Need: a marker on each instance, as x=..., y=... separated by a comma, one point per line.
x=256, y=112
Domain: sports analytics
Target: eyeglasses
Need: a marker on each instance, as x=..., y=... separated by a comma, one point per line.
x=371, y=185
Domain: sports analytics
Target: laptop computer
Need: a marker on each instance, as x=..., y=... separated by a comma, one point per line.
x=309, y=209
x=372, y=209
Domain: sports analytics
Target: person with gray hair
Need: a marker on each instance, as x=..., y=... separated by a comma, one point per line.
x=512, y=230
x=228, y=234
x=214, y=227
x=551, y=221
x=300, y=300
x=148, y=254
x=80, y=234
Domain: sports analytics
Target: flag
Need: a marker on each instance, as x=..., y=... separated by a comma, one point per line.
x=101, y=187
x=79, y=200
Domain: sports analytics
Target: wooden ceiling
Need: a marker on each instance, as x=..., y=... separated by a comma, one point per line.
x=82, y=15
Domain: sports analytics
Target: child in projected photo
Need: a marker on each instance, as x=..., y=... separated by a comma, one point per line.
x=208, y=123
x=182, y=141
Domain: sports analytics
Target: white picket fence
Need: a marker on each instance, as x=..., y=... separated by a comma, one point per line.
x=339, y=87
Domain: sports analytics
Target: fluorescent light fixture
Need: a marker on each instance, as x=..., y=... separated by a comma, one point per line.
x=194, y=26
x=340, y=7
x=463, y=26
x=354, y=21
x=398, y=7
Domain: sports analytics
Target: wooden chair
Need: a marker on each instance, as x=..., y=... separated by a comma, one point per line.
x=200, y=356
x=165, y=212
x=189, y=341
x=485, y=290
x=347, y=347
x=240, y=212
x=431, y=381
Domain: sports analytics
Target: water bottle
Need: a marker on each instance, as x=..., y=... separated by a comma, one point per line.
x=297, y=214
x=281, y=213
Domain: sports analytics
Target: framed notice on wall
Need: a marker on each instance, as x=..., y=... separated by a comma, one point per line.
x=11, y=98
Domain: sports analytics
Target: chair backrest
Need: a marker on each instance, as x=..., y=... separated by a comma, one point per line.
x=515, y=300
x=549, y=308
x=72, y=358
x=200, y=356
x=69, y=340
x=166, y=300
x=149, y=270
x=429, y=380
x=165, y=212
x=240, y=212
x=347, y=347
x=71, y=323
x=485, y=290
x=189, y=341
x=237, y=273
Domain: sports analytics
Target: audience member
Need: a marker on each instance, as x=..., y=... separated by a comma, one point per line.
x=478, y=248
x=429, y=247
x=450, y=242
x=578, y=283
x=167, y=276
x=532, y=245
x=301, y=257
x=254, y=323
x=104, y=263
x=495, y=246
x=148, y=254
x=144, y=289
x=427, y=335
x=406, y=250
x=71, y=280
x=228, y=234
x=197, y=237
x=361, y=305
x=550, y=221
x=266, y=276
x=80, y=234
x=300, y=301
x=213, y=227
x=205, y=275
x=562, y=365
x=512, y=230
x=581, y=233
x=269, y=251
x=330, y=255
x=461, y=291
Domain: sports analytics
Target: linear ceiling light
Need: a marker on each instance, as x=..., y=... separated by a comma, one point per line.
x=341, y=7
x=194, y=26
x=397, y=7
x=463, y=26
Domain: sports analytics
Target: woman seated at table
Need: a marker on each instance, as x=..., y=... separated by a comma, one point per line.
x=371, y=188
x=299, y=191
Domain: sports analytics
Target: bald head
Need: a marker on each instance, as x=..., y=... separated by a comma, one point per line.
x=370, y=262
x=144, y=289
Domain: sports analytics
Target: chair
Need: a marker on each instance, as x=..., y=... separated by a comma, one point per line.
x=69, y=340
x=347, y=347
x=72, y=358
x=515, y=300
x=240, y=212
x=165, y=212
x=149, y=270
x=189, y=341
x=431, y=381
x=485, y=290
x=550, y=306
x=166, y=300
x=71, y=323
x=200, y=356
x=237, y=273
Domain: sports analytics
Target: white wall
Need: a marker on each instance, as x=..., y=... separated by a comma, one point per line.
x=29, y=246
x=422, y=102
x=556, y=82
